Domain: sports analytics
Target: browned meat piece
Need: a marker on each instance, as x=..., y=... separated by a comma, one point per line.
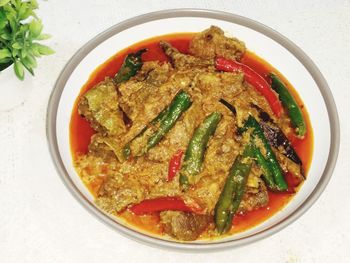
x=212, y=43
x=118, y=192
x=254, y=198
x=152, y=73
x=131, y=182
x=100, y=107
x=243, y=103
x=155, y=73
x=183, y=61
x=215, y=85
x=106, y=147
x=99, y=148
x=147, y=94
x=184, y=226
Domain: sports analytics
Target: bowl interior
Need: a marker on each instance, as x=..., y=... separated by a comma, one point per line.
x=101, y=48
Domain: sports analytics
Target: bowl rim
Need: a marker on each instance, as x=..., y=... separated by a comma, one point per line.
x=202, y=13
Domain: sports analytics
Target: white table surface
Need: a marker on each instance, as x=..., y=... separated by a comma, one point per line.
x=40, y=221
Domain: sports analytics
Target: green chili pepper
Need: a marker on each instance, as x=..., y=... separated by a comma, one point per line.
x=131, y=65
x=162, y=124
x=232, y=193
x=196, y=148
x=265, y=166
x=294, y=112
x=270, y=157
x=259, y=158
x=168, y=118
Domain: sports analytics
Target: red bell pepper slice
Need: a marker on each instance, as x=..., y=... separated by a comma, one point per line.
x=175, y=164
x=163, y=204
x=253, y=78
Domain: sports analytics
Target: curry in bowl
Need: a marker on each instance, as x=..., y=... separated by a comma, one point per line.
x=190, y=136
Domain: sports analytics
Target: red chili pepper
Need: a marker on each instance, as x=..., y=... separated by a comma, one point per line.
x=163, y=204
x=175, y=164
x=253, y=78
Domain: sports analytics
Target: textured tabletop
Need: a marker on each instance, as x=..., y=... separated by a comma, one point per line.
x=40, y=221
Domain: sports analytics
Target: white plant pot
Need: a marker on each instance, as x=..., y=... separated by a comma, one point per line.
x=13, y=92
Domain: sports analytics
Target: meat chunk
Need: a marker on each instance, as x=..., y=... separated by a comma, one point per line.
x=118, y=192
x=106, y=147
x=131, y=182
x=184, y=61
x=184, y=226
x=155, y=73
x=152, y=73
x=214, y=85
x=254, y=198
x=147, y=94
x=212, y=43
x=100, y=107
x=99, y=148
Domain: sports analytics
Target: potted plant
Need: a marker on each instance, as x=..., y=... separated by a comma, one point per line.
x=20, y=32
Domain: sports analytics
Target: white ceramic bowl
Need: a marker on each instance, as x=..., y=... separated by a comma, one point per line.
x=267, y=43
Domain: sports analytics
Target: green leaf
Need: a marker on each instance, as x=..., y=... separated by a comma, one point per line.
x=27, y=65
x=19, y=70
x=34, y=50
x=16, y=45
x=10, y=11
x=13, y=23
x=24, y=29
x=16, y=3
x=27, y=14
x=4, y=2
x=30, y=70
x=3, y=20
x=5, y=36
x=29, y=62
x=35, y=27
x=2, y=14
x=15, y=52
x=22, y=12
x=23, y=53
x=43, y=37
x=3, y=24
x=5, y=53
x=34, y=4
x=44, y=50
x=5, y=60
